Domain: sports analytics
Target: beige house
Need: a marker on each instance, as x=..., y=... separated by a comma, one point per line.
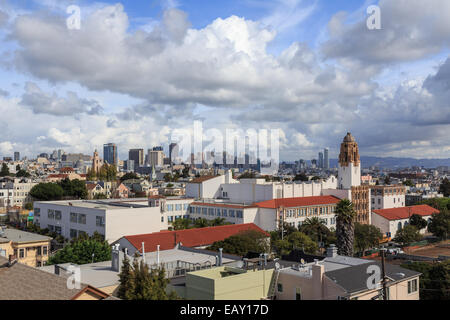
x=28, y=248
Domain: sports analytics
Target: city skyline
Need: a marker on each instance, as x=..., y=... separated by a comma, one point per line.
x=310, y=68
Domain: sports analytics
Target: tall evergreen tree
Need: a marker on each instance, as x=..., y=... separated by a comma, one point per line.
x=126, y=287
x=345, y=228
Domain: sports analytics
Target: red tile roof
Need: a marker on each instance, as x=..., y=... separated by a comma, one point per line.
x=298, y=202
x=189, y=238
x=406, y=212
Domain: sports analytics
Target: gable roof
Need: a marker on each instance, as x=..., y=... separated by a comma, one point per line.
x=21, y=282
x=406, y=212
x=298, y=202
x=190, y=237
x=354, y=279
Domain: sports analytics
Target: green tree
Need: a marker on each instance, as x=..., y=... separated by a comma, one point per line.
x=74, y=188
x=408, y=183
x=387, y=180
x=345, y=215
x=316, y=229
x=129, y=176
x=247, y=175
x=22, y=173
x=301, y=177
x=417, y=221
x=82, y=252
x=126, y=286
x=182, y=224
x=218, y=222
x=445, y=187
x=243, y=242
x=439, y=225
x=366, y=237
x=29, y=206
x=143, y=283
x=408, y=235
x=47, y=192
x=4, y=171
x=201, y=223
x=434, y=282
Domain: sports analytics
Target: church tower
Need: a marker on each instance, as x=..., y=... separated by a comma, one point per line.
x=349, y=164
x=96, y=163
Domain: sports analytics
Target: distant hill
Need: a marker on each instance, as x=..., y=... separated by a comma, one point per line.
x=393, y=163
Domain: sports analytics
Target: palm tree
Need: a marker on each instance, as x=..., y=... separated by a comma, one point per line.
x=218, y=222
x=314, y=228
x=201, y=223
x=345, y=228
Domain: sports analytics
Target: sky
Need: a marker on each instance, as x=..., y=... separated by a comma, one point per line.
x=135, y=71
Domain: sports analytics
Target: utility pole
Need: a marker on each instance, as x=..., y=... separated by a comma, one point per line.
x=383, y=274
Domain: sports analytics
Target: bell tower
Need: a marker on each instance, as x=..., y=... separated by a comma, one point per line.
x=349, y=164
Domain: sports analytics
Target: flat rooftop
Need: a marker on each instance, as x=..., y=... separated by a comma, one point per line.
x=109, y=204
x=19, y=236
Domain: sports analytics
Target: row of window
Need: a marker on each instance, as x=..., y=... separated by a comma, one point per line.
x=79, y=218
x=305, y=212
x=54, y=214
x=177, y=207
x=218, y=212
x=174, y=218
x=23, y=252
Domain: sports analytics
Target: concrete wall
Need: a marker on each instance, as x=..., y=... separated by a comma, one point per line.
x=128, y=222
x=349, y=176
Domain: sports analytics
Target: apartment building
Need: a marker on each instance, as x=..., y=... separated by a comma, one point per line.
x=20, y=189
x=28, y=248
x=171, y=208
x=111, y=218
x=387, y=197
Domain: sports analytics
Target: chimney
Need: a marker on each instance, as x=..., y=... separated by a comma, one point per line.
x=265, y=259
x=332, y=251
x=318, y=271
x=116, y=263
x=220, y=256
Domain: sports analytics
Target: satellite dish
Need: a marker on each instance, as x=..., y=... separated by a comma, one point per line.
x=277, y=266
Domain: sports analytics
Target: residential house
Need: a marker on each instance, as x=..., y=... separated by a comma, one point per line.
x=29, y=248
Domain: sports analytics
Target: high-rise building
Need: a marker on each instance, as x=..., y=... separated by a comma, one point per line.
x=137, y=155
x=155, y=158
x=173, y=152
x=321, y=160
x=326, y=160
x=110, y=154
x=129, y=165
x=16, y=156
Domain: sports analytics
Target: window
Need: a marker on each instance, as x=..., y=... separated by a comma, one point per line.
x=58, y=230
x=21, y=253
x=51, y=228
x=44, y=251
x=170, y=219
x=239, y=214
x=280, y=287
x=51, y=214
x=231, y=213
x=185, y=206
x=57, y=215
x=73, y=217
x=225, y=213
x=37, y=212
x=178, y=207
x=412, y=286
x=38, y=251
x=100, y=221
x=218, y=212
x=204, y=211
x=73, y=233
x=82, y=218
x=170, y=207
